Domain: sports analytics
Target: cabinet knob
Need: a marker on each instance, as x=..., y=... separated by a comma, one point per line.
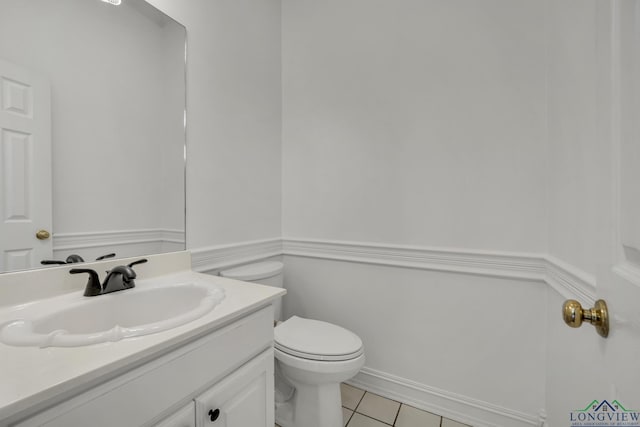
x=214, y=414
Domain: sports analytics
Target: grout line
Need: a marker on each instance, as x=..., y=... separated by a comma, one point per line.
x=362, y=398
x=349, y=420
x=353, y=411
x=397, y=413
x=360, y=401
x=371, y=418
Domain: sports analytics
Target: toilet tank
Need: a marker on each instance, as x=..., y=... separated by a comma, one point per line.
x=265, y=273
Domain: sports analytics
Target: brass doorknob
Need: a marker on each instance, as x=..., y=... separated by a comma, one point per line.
x=43, y=234
x=598, y=316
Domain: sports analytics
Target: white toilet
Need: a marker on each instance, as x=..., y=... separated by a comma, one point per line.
x=312, y=359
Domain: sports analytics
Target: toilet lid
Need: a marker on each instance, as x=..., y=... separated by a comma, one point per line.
x=316, y=340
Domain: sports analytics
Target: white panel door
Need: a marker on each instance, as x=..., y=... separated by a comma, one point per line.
x=617, y=400
x=25, y=167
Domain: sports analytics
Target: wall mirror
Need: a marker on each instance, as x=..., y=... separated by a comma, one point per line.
x=92, y=131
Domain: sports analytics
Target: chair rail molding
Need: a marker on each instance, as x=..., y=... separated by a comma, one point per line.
x=95, y=239
x=568, y=280
x=217, y=257
x=484, y=263
x=564, y=278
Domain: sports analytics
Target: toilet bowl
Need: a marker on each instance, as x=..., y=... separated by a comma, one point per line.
x=315, y=357
x=312, y=359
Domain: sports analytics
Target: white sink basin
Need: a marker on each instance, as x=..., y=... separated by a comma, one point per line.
x=79, y=321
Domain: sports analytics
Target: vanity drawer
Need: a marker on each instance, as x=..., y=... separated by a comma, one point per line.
x=151, y=392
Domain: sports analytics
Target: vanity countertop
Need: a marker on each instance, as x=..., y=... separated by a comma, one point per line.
x=32, y=378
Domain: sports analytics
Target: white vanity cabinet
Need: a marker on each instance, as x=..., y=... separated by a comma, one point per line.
x=224, y=378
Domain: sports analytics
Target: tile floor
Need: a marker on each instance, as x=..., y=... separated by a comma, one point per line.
x=363, y=409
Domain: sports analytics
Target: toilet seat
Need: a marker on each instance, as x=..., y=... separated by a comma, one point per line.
x=316, y=340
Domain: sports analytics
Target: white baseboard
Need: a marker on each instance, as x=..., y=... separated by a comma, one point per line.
x=450, y=405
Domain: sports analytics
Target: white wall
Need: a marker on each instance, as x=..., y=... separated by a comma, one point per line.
x=415, y=122
x=421, y=123
x=233, y=119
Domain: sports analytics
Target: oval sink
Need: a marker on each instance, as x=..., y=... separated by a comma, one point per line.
x=112, y=317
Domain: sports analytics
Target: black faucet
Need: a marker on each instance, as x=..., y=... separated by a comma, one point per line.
x=72, y=259
x=118, y=279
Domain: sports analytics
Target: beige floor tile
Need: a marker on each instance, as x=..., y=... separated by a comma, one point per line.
x=346, y=416
x=359, y=420
x=413, y=417
x=378, y=407
x=351, y=396
x=450, y=423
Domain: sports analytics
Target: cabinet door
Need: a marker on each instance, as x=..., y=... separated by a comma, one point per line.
x=243, y=399
x=185, y=417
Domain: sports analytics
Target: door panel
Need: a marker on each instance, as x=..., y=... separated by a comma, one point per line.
x=244, y=398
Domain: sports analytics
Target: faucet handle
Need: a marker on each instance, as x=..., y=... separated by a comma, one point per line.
x=124, y=270
x=140, y=261
x=121, y=277
x=128, y=274
x=93, y=287
x=52, y=262
x=71, y=259
x=100, y=258
x=118, y=279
